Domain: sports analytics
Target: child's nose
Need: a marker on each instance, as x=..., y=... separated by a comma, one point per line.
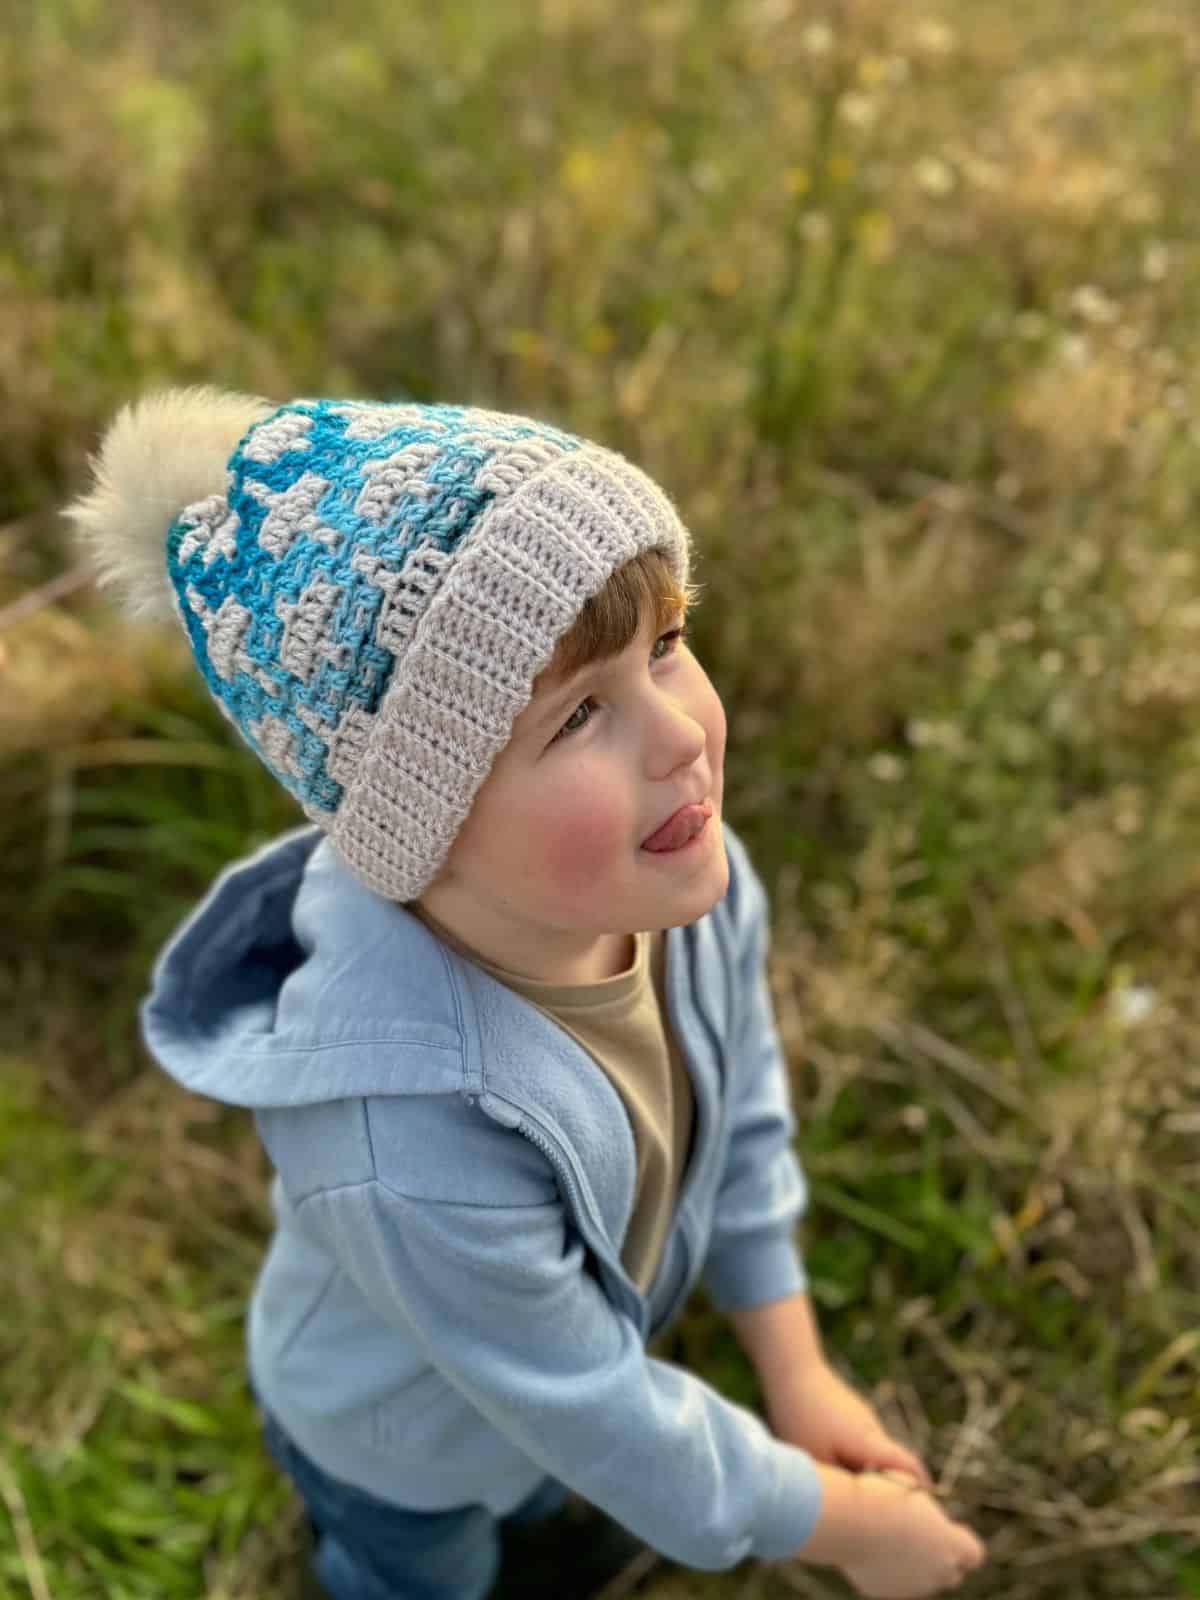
x=679, y=735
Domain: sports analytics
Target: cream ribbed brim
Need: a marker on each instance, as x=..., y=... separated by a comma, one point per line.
x=495, y=614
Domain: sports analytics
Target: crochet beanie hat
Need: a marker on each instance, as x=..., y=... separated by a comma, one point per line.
x=370, y=590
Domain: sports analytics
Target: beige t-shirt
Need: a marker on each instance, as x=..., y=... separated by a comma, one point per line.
x=622, y=1023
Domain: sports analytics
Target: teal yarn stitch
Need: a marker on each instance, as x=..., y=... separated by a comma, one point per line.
x=308, y=497
x=370, y=590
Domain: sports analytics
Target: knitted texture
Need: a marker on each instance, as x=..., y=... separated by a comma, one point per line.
x=373, y=596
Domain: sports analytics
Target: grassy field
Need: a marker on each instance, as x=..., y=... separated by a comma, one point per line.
x=901, y=305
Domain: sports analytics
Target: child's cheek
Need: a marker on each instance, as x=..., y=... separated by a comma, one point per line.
x=579, y=850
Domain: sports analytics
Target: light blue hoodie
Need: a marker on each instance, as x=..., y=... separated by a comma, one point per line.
x=442, y=1316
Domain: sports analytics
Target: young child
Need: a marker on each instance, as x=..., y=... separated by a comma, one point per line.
x=501, y=1012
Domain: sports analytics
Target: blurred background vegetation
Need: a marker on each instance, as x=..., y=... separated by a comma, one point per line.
x=900, y=305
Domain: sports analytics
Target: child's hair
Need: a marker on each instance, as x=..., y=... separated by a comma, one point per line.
x=373, y=591
x=612, y=618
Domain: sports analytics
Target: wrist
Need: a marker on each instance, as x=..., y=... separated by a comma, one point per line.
x=780, y=1338
x=837, y=1533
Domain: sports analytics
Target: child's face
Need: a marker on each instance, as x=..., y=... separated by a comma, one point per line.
x=548, y=866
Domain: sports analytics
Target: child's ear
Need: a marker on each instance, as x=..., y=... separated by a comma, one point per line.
x=159, y=455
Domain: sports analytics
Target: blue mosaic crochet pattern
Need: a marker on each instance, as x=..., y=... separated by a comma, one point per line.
x=289, y=582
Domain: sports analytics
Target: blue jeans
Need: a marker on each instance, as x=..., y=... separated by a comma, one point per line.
x=368, y=1549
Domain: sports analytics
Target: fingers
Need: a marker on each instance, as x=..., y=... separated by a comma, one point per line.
x=902, y=1476
x=893, y=1457
x=977, y=1554
x=906, y=1461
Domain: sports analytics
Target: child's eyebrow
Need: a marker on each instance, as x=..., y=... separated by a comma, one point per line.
x=561, y=697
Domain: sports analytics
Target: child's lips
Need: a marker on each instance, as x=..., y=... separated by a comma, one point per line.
x=686, y=823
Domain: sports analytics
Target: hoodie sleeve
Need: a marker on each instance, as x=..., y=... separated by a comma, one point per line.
x=501, y=1300
x=753, y=1256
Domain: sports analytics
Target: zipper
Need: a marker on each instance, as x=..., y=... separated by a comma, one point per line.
x=679, y=1292
x=706, y=1112
x=511, y=1116
x=707, y=1117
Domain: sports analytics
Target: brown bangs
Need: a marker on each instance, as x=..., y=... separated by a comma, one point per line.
x=611, y=620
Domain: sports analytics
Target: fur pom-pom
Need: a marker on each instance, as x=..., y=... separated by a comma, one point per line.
x=160, y=454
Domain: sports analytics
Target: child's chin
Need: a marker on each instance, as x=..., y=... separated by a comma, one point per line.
x=697, y=899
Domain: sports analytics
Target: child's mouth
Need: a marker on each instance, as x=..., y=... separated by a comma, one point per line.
x=678, y=831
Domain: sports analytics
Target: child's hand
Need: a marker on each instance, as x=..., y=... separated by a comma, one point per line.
x=910, y=1547
x=814, y=1408
x=889, y=1538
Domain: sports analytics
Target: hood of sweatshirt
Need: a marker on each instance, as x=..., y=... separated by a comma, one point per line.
x=279, y=989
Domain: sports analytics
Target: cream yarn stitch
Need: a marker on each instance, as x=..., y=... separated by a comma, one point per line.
x=370, y=590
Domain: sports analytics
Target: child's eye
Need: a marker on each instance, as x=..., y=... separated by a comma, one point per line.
x=570, y=725
x=673, y=639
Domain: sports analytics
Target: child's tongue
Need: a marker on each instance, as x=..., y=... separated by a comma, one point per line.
x=678, y=831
